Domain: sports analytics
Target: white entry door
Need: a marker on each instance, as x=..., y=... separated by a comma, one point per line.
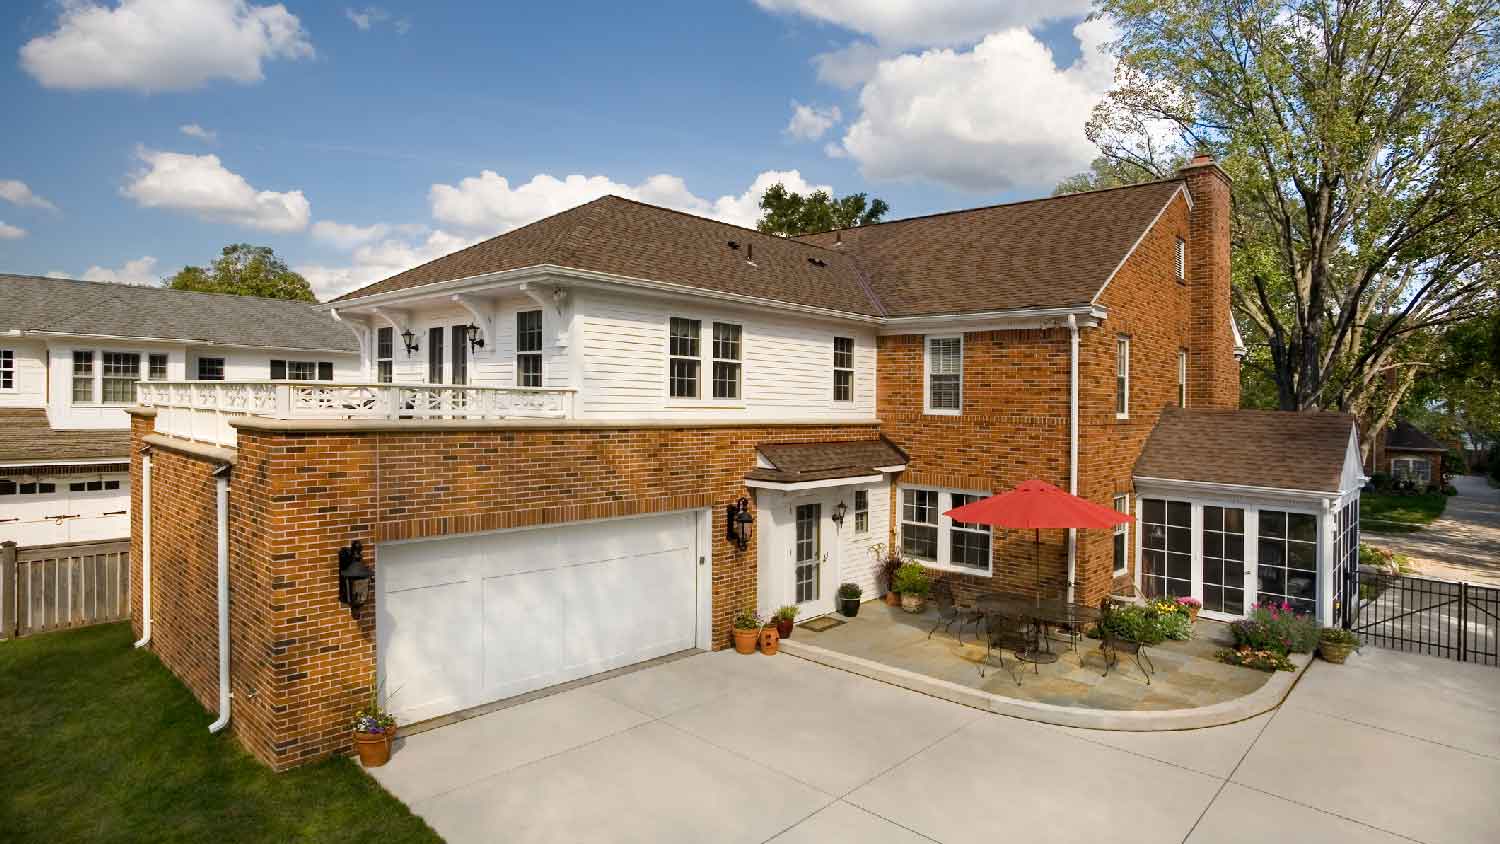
x=814, y=577
x=469, y=620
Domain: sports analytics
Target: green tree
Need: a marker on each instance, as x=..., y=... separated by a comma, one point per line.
x=245, y=270
x=1106, y=172
x=790, y=214
x=1362, y=137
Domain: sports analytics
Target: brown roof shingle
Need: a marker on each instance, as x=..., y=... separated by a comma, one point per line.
x=1404, y=436
x=797, y=462
x=1262, y=448
x=1052, y=252
x=26, y=437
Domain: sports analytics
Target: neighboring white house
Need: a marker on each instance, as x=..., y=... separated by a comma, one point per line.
x=71, y=354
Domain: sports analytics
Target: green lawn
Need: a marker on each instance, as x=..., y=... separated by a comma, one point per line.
x=99, y=742
x=1400, y=510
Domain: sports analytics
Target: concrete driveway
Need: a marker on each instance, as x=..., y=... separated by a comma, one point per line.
x=730, y=748
x=1462, y=544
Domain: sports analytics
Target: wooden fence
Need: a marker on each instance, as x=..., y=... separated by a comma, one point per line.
x=52, y=587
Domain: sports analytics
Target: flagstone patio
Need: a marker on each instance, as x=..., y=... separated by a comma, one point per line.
x=1187, y=674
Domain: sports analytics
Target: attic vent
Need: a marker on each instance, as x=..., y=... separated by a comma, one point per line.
x=817, y=262
x=734, y=244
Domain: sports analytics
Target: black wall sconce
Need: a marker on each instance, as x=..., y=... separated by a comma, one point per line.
x=409, y=338
x=475, y=341
x=838, y=514
x=354, y=578
x=737, y=523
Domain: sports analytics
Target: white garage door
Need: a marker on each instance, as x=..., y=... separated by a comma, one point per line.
x=469, y=620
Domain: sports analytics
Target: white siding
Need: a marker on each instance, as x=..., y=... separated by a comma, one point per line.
x=787, y=362
x=857, y=557
x=30, y=382
x=492, y=366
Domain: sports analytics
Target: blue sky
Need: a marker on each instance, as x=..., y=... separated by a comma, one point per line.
x=358, y=140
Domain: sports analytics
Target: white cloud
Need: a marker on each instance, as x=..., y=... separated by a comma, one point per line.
x=380, y=259
x=809, y=123
x=850, y=65
x=366, y=19
x=913, y=23
x=141, y=271
x=193, y=130
x=200, y=185
x=162, y=45
x=996, y=117
x=10, y=232
x=18, y=193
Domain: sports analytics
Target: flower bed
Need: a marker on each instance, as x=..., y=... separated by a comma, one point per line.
x=1262, y=660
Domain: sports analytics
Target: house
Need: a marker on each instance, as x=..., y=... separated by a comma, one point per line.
x=1407, y=453
x=593, y=440
x=71, y=355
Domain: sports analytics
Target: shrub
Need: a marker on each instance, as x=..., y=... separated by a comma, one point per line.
x=1264, y=660
x=747, y=620
x=786, y=613
x=912, y=579
x=1450, y=489
x=1381, y=481
x=1136, y=624
x=850, y=591
x=1338, y=636
x=1274, y=627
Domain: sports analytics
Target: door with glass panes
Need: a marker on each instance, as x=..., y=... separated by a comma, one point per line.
x=1195, y=550
x=811, y=575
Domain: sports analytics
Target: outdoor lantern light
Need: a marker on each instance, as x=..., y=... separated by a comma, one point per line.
x=410, y=339
x=475, y=341
x=838, y=514
x=737, y=523
x=354, y=578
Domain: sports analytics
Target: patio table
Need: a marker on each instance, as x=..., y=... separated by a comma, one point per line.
x=1040, y=612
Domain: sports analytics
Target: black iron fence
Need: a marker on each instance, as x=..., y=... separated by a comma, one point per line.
x=1420, y=615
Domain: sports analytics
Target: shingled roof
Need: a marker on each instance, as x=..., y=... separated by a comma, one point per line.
x=1259, y=448
x=1404, y=436
x=821, y=461
x=1053, y=252
x=65, y=306
x=25, y=437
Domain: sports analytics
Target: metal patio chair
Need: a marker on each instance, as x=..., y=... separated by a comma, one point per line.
x=1001, y=630
x=1109, y=644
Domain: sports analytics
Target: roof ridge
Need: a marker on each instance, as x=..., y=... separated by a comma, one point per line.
x=1010, y=204
x=774, y=237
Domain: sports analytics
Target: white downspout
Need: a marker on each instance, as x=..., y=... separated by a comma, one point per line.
x=145, y=549
x=1072, y=448
x=222, y=478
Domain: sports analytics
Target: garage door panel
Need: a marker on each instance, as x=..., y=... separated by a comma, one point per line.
x=431, y=662
x=522, y=616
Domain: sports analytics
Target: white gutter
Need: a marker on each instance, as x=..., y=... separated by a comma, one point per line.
x=1072, y=447
x=145, y=548
x=222, y=478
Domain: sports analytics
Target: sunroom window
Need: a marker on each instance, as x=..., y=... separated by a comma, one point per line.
x=1287, y=568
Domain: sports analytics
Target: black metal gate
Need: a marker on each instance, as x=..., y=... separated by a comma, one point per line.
x=1417, y=614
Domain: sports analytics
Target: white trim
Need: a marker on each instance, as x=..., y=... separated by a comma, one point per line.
x=1087, y=316
x=1122, y=340
x=1232, y=489
x=900, y=468
x=1123, y=527
x=91, y=461
x=823, y=484
x=927, y=408
x=944, y=526
x=1073, y=352
x=1182, y=189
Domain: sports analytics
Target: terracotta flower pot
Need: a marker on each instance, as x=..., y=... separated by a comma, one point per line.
x=1335, y=652
x=1193, y=613
x=374, y=748
x=744, y=640
x=912, y=603
x=784, y=627
x=892, y=599
x=770, y=641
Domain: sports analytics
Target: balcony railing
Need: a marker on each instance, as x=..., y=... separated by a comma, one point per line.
x=201, y=410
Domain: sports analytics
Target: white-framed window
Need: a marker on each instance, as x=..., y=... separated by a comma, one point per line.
x=83, y=377
x=210, y=369
x=435, y=354
x=1166, y=548
x=459, y=349
x=1417, y=469
x=861, y=511
x=1122, y=377
x=936, y=540
x=684, y=357
x=93, y=486
x=843, y=369
x=1122, y=535
x=10, y=487
x=121, y=371
x=528, y=348
x=726, y=360
x=301, y=370
x=7, y=369
x=1180, y=259
x=1182, y=359
x=385, y=354
x=156, y=367
x=945, y=375
x=1286, y=566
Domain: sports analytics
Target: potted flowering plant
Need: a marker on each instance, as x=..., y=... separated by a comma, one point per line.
x=890, y=561
x=913, y=584
x=784, y=618
x=1335, y=644
x=746, y=631
x=1192, y=606
x=374, y=729
x=849, y=595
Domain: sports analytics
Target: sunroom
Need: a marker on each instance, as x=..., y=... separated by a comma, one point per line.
x=1243, y=507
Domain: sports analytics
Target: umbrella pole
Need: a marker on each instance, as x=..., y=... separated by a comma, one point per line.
x=1036, y=556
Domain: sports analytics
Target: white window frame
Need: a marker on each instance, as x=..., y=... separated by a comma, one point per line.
x=198, y=368
x=737, y=362
x=945, y=527
x=523, y=355
x=385, y=365
x=92, y=375
x=1182, y=372
x=1179, y=259
x=1410, y=473
x=1122, y=505
x=166, y=366
x=697, y=395
x=1122, y=376
x=7, y=370
x=103, y=376
x=861, y=511
x=927, y=374
x=841, y=370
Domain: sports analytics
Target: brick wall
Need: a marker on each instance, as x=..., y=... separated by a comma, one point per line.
x=301, y=663
x=1216, y=371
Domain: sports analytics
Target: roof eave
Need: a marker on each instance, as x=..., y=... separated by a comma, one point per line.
x=1183, y=191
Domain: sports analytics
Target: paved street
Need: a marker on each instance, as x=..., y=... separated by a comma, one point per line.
x=1463, y=544
x=734, y=748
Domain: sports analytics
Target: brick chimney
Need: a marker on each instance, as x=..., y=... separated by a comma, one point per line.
x=1213, y=370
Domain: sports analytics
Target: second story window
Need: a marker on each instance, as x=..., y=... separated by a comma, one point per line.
x=156, y=368
x=210, y=369
x=121, y=371
x=843, y=369
x=1180, y=259
x=83, y=377
x=945, y=373
x=435, y=355
x=726, y=360
x=529, y=349
x=1122, y=377
x=7, y=369
x=385, y=354
x=301, y=370
x=683, y=357
x=1182, y=377
x=861, y=511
